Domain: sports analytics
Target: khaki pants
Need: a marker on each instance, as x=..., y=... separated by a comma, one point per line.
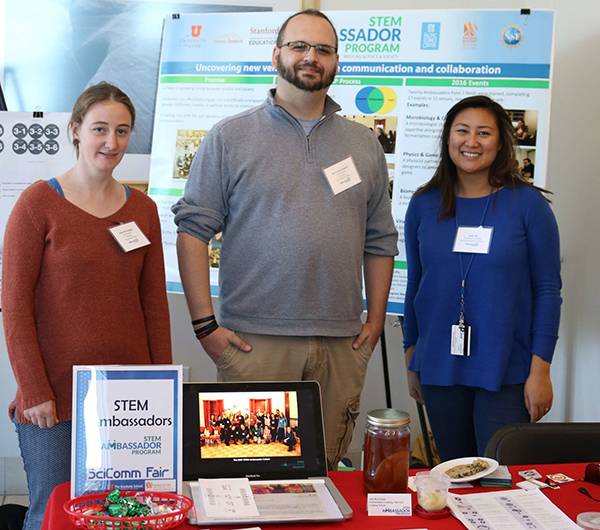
x=331, y=361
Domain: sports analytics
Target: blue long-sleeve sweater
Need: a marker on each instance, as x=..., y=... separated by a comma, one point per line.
x=512, y=294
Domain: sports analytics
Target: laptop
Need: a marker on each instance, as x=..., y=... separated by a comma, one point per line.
x=225, y=437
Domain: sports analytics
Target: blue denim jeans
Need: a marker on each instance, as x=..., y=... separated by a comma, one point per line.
x=463, y=418
x=46, y=455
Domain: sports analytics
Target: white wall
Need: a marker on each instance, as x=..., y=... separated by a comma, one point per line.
x=574, y=166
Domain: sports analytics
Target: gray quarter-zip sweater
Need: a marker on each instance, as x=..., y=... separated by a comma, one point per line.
x=292, y=251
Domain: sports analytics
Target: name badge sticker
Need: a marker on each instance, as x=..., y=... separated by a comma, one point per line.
x=129, y=236
x=342, y=175
x=390, y=504
x=473, y=239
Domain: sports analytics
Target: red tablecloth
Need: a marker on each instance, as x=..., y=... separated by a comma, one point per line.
x=567, y=498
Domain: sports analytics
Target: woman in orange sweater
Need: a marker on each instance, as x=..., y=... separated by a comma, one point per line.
x=71, y=294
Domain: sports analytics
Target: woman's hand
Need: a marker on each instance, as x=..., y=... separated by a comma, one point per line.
x=42, y=415
x=538, y=389
x=412, y=378
x=414, y=386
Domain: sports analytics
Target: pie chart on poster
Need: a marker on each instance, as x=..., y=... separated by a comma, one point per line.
x=371, y=100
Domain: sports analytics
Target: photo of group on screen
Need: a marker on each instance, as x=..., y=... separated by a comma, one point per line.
x=246, y=425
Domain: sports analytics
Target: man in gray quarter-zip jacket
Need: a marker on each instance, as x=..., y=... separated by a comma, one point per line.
x=301, y=196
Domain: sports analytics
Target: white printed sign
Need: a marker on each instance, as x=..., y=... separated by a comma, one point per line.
x=126, y=428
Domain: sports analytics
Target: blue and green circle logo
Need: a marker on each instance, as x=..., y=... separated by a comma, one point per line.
x=371, y=100
x=512, y=36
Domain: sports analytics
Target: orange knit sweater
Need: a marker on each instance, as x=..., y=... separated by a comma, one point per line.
x=71, y=296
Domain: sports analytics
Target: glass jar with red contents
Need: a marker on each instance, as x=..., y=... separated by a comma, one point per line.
x=386, y=451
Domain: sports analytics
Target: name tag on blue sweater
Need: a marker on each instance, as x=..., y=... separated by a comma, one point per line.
x=473, y=239
x=342, y=175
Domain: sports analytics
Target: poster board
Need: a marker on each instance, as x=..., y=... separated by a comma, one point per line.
x=33, y=146
x=400, y=71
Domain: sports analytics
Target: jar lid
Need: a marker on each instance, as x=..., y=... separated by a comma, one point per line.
x=388, y=418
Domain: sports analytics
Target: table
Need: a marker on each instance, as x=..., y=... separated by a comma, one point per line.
x=567, y=498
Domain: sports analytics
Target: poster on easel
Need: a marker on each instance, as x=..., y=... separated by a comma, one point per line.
x=127, y=429
x=400, y=72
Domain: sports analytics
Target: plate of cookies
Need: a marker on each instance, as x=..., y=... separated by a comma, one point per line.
x=466, y=469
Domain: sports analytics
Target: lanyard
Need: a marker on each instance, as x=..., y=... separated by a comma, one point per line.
x=464, y=273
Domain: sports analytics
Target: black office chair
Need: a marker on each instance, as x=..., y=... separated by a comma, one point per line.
x=545, y=443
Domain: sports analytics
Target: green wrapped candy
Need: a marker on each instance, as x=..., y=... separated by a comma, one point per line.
x=117, y=510
x=113, y=496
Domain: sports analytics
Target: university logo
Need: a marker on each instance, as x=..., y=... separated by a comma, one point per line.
x=196, y=30
x=512, y=36
x=469, y=34
x=430, y=36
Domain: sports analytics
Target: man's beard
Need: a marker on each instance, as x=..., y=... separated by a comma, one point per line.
x=290, y=74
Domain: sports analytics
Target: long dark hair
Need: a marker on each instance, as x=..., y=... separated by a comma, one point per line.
x=504, y=171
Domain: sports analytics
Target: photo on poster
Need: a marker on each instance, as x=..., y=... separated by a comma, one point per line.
x=526, y=159
x=214, y=250
x=248, y=425
x=525, y=124
x=186, y=144
x=383, y=127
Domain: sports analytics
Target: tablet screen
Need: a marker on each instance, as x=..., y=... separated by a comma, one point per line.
x=259, y=430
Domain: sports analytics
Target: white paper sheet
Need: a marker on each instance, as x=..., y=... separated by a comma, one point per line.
x=507, y=510
x=226, y=498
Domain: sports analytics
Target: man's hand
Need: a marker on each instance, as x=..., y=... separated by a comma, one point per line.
x=538, y=389
x=216, y=343
x=42, y=415
x=369, y=332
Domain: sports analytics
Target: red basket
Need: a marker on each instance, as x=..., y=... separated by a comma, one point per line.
x=76, y=510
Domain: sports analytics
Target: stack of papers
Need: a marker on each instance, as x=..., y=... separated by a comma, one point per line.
x=501, y=478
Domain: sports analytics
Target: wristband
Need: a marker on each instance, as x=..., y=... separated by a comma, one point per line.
x=201, y=320
x=205, y=331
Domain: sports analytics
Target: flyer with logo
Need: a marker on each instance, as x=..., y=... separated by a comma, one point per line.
x=399, y=74
x=127, y=428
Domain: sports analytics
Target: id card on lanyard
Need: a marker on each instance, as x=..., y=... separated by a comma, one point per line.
x=468, y=240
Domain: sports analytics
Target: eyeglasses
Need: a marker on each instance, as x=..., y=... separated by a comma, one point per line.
x=301, y=47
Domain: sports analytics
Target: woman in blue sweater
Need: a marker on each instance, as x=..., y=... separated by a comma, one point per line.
x=482, y=304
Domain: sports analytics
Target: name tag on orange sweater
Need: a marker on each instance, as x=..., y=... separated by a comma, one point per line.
x=129, y=236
